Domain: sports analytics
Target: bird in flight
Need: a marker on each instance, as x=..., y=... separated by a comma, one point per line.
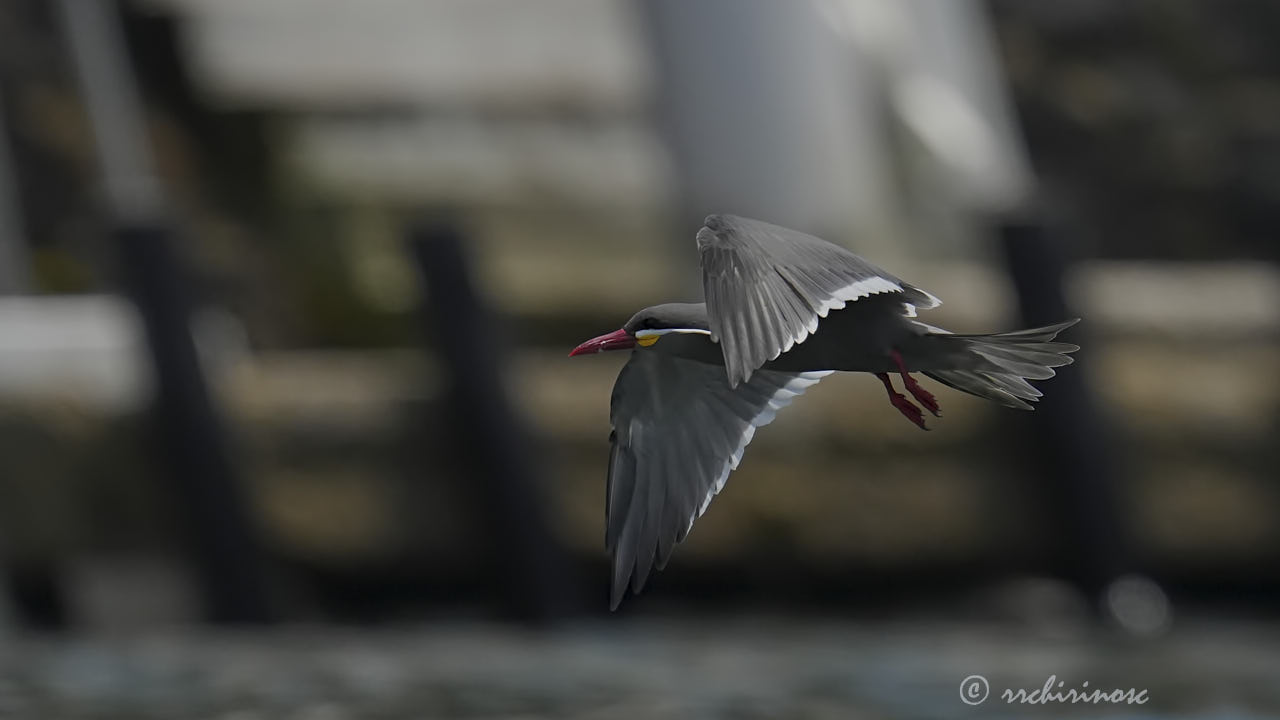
x=783, y=309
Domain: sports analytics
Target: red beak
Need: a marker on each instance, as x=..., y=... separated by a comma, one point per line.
x=616, y=340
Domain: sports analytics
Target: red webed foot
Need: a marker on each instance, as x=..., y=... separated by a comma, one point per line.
x=924, y=397
x=900, y=401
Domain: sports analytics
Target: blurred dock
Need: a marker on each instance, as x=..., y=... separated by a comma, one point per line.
x=301, y=136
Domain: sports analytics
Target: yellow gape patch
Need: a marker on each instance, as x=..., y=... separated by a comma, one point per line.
x=645, y=338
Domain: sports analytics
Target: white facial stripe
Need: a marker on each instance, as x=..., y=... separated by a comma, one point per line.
x=642, y=334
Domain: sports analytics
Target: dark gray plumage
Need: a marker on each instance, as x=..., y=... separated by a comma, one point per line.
x=783, y=309
x=678, y=430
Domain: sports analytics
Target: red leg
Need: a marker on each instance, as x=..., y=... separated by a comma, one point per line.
x=900, y=401
x=924, y=397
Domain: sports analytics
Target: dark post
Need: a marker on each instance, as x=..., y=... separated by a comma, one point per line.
x=214, y=516
x=1070, y=434
x=213, y=512
x=489, y=436
x=13, y=272
x=14, y=265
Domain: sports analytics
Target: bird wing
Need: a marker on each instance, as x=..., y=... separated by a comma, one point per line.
x=766, y=287
x=678, y=430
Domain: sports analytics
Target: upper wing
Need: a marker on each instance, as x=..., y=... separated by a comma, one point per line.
x=678, y=429
x=767, y=286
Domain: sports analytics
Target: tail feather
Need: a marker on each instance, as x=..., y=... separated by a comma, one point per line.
x=984, y=385
x=1009, y=359
x=1038, y=334
x=997, y=366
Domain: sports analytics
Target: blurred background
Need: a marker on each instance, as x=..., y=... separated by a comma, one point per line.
x=286, y=288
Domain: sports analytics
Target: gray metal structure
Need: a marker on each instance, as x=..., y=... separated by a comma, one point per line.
x=767, y=116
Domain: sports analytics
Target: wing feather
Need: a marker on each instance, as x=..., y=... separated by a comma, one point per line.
x=679, y=429
x=767, y=287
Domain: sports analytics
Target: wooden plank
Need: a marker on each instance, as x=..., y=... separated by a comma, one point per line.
x=337, y=53
x=483, y=161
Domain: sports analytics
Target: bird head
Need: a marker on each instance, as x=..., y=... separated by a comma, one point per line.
x=647, y=326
